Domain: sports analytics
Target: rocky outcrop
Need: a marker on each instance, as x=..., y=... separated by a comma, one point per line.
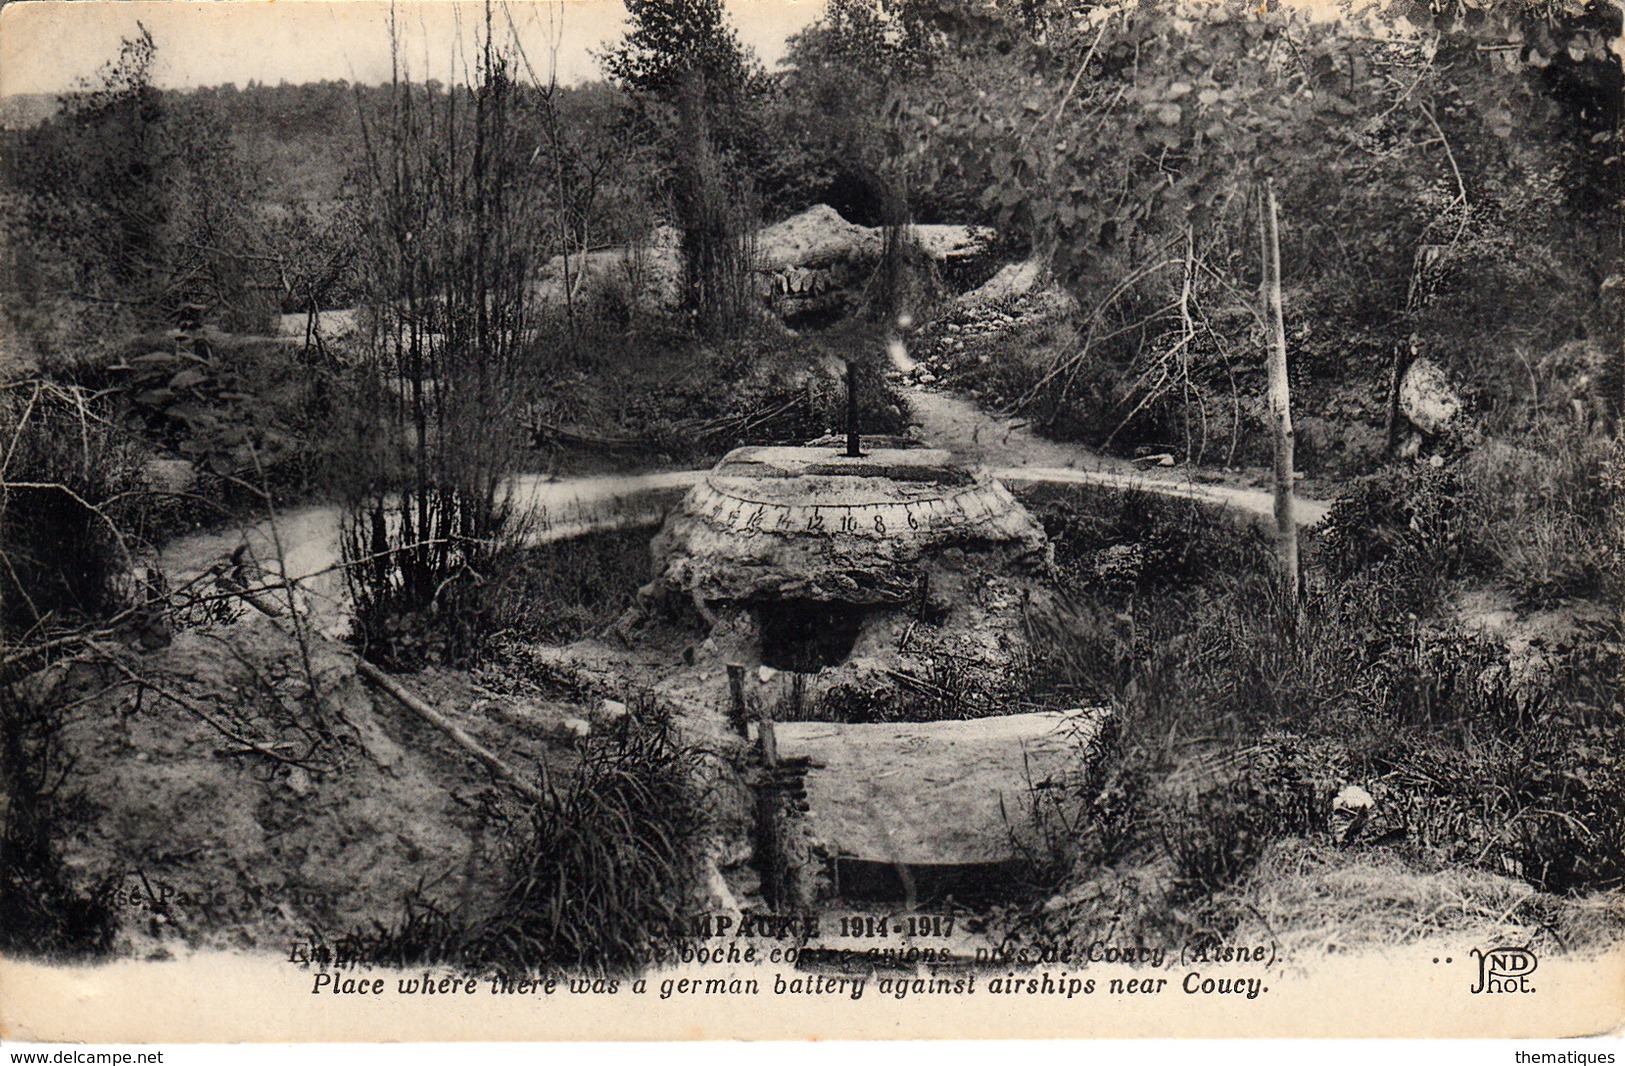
x=809, y=261
x=1427, y=399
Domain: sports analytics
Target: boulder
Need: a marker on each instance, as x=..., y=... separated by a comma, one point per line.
x=1427, y=398
x=1013, y=279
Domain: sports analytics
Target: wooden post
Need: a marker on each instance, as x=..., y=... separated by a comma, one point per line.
x=736, y=699
x=771, y=861
x=1280, y=395
x=764, y=734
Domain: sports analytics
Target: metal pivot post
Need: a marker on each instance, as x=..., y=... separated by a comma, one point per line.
x=853, y=451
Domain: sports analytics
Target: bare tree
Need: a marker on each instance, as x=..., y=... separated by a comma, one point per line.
x=454, y=199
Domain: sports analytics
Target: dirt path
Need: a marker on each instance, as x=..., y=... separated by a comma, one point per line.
x=1014, y=453
x=569, y=507
x=307, y=538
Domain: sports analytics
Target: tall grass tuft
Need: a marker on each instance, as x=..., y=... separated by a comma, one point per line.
x=598, y=879
x=1544, y=515
x=603, y=878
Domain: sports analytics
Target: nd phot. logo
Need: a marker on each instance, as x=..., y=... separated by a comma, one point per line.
x=1504, y=970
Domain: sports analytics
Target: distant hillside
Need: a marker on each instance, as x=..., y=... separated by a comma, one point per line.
x=26, y=109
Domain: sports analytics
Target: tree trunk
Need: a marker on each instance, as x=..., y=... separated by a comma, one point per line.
x=1280, y=396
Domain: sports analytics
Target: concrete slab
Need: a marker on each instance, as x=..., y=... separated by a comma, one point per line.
x=931, y=465
x=938, y=793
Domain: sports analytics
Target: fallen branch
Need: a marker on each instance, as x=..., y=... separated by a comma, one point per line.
x=411, y=702
x=209, y=719
x=545, y=431
x=451, y=729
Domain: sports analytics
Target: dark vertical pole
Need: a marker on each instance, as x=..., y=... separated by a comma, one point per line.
x=853, y=451
x=736, y=699
x=771, y=862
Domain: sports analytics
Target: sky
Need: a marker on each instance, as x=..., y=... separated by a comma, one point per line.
x=48, y=46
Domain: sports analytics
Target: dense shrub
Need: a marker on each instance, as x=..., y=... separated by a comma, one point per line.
x=1478, y=759
x=45, y=914
x=1536, y=515
x=69, y=506
x=565, y=590
x=1403, y=521
x=553, y=592
x=1215, y=831
x=429, y=593
x=1565, y=831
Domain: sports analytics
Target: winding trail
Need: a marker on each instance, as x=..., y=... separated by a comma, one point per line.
x=306, y=538
x=1013, y=453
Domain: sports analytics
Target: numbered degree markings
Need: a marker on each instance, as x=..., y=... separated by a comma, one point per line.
x=891, y=519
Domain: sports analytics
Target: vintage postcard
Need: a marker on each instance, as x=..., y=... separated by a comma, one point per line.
x=810, y=519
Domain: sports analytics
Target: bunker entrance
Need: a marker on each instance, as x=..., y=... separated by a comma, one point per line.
x=974, y=883
x=807, y=635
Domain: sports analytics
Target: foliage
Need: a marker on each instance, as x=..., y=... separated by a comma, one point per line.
x=1543, y=516
x=666, y=43
x=126, y=203
x=604, y=878
x=1404, y=519
x=197, y=402
x=1126, y=144
x=836, y=108
x=1535, y=516
x=69, y=494
x=117, y=163
x=1475, y=755
x=714, y=214
x=697, y=91
x=670, y=397
x=1215, y=831
x=46, y=915
x=569, y=589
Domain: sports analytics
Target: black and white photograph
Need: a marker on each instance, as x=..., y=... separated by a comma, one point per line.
x=811, y=519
